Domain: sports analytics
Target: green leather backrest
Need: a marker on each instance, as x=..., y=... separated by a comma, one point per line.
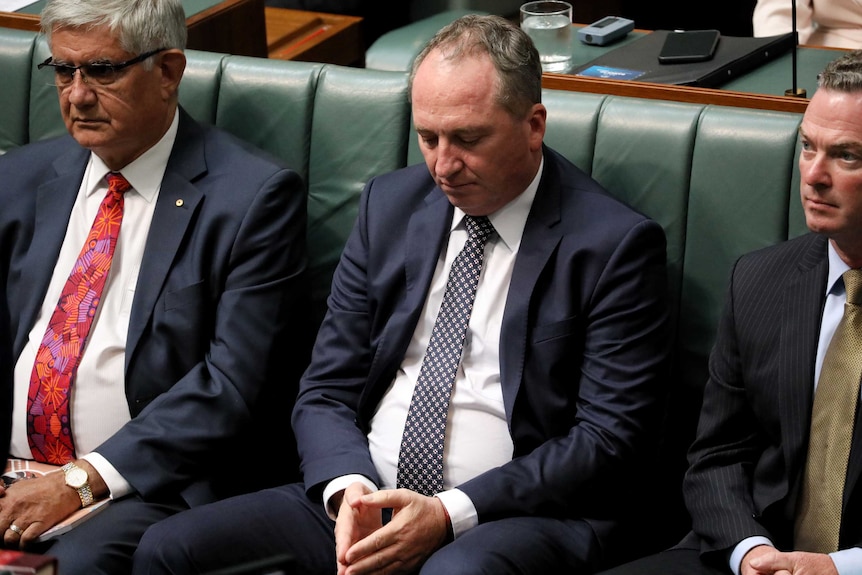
x=396, y=49
x=796, y=225
x=572, y=125
x=360, y=118
x=44, y=117
x=16, y=55
x=739, y=201
x=718, y=180
x=645, y=160
x=199, y=89
x=269, y=106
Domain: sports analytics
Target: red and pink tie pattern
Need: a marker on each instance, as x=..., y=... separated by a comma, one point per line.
x=48, y=419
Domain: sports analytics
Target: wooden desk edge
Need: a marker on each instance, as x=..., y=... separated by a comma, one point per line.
x=29, y=22
x=321, y=42
x=674, y=93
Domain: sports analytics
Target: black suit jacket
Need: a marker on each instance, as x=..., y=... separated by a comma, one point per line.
x=221, y=283
x=583, y=344
x=749, y=456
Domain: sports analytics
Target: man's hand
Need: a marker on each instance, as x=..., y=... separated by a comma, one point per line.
x=766, y=560
x=35, y=505
x=354, y=522
x=417, y=529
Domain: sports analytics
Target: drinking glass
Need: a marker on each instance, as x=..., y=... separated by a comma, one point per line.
x=549, y=24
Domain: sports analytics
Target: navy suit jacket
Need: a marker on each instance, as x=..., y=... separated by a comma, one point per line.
x=221, y=278
x=5, y=376
x=583, y=343
x=752, y=443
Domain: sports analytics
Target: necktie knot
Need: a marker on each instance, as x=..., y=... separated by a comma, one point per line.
x=117, y=183
x=479, y=227
x=853, y=285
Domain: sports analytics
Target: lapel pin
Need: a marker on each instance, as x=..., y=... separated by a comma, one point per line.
x=179, y=203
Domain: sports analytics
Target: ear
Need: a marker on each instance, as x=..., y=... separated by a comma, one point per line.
x=172, y=64
x=537, y=119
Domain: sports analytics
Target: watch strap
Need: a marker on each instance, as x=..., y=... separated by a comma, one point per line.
x=84, y=491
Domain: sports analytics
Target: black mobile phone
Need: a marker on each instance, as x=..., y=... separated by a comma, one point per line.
x=689, y=46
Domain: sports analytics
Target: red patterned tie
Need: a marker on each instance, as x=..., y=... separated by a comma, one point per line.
x=48, y=419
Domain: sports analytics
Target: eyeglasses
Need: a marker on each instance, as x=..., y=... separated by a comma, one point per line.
x=101, y=74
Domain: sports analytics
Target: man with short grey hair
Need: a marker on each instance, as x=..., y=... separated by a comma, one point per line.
x=154, y=266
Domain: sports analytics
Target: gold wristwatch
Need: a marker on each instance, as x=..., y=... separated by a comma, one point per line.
x=77, y=479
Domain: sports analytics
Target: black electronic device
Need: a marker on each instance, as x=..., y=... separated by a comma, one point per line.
x=638, y=60
x=689, y=46
x=606, y=30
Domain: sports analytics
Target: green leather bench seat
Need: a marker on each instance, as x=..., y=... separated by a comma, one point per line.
x=722, y=181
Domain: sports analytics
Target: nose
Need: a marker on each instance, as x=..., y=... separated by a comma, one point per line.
x=448, y=162
x=80, y=92
x=814, y=170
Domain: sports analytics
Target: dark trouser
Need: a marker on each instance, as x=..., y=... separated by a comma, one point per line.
x=675, y=561
x=104, y=543
x=273, y=522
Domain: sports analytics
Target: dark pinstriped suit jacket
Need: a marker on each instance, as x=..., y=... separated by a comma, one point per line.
x=749, y=455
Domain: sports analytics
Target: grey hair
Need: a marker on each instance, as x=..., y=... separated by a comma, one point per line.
x=843, y=74
x=140, y=25
x=513, y=54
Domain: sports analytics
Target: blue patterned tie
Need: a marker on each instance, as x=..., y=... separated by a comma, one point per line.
x=420, y=463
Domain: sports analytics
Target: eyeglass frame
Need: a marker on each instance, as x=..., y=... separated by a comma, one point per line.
x=81, y=69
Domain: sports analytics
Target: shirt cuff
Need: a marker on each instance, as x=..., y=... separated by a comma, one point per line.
x=848, y=561
x=340, y=484
x=461, y=511
x=744, y=547
x=117, y=485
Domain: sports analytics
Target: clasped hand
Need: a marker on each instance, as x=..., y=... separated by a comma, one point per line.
x=766, y=560
x=364, y=545
x=34, y=506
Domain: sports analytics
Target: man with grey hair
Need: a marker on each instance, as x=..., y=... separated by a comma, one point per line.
x=142, y=357
x=774, y=486
x=486, y=384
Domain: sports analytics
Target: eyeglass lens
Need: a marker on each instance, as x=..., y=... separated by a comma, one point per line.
x=102, y=74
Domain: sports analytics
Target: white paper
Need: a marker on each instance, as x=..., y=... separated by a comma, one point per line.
x=14, y=5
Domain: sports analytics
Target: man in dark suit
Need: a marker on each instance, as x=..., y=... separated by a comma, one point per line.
x=753, y=484
x=5, y=376
x=204, y=280
x=555, y=396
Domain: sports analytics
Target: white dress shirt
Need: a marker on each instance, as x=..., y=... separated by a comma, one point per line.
x=477, y=433
x=98, y=406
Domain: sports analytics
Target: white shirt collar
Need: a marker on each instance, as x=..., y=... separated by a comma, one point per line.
x=145, y=173
x=837, y=267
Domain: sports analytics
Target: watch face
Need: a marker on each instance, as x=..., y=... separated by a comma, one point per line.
x=76, y=477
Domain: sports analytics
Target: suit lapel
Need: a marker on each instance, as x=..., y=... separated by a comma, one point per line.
x=420, y=260
x=802, y=307
x=176, y=205
x=539, y=241
x=54, y=201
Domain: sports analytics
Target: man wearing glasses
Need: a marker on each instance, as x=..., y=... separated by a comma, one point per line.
x=152, y=268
